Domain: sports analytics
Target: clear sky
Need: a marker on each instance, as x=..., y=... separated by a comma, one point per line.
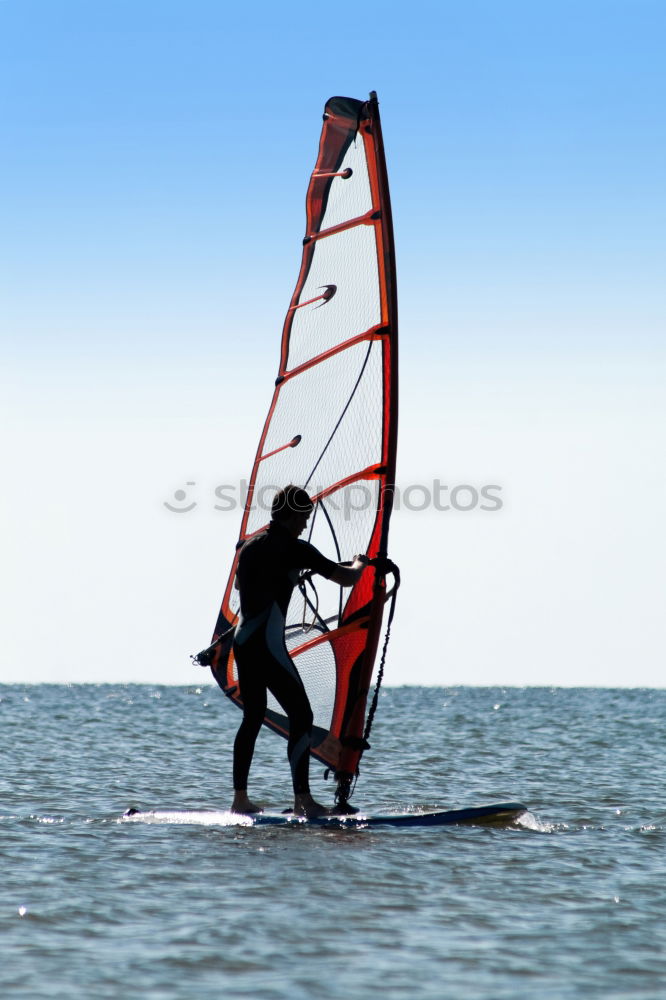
x=155, y=157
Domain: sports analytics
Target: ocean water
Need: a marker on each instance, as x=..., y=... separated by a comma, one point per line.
x=570, y=904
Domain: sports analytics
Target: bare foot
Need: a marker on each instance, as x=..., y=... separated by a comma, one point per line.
x=243, y=805
x=305, y=805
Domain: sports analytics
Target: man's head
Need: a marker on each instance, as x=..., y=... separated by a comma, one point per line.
x=291, y=508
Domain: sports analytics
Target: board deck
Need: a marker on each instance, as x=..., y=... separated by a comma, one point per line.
x=496, y=814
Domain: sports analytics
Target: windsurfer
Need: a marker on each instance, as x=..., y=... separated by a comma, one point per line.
x=268, y=570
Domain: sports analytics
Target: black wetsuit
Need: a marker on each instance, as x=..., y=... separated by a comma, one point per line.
x=268, y=570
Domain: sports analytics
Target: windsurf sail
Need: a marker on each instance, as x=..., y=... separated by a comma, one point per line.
x=332, y=429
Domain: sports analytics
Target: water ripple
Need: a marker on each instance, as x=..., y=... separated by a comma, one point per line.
x=568, y=903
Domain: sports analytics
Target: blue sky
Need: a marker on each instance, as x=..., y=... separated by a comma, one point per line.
x=154, y=166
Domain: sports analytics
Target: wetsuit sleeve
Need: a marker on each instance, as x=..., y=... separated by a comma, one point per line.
x=308, y=557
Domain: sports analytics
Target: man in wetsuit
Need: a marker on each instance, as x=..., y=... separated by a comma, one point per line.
x=268, y=569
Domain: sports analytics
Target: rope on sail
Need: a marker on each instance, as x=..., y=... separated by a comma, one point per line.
x=390, y=567
x=341, y=417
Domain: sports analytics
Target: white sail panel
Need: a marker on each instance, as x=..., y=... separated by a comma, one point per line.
x=348, y=260
x=317, y=669
x=356, y=433
x=350, y=197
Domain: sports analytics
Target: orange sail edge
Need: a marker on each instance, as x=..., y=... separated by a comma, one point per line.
x=333, y=413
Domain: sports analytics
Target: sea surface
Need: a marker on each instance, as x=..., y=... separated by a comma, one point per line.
x=570, y=904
